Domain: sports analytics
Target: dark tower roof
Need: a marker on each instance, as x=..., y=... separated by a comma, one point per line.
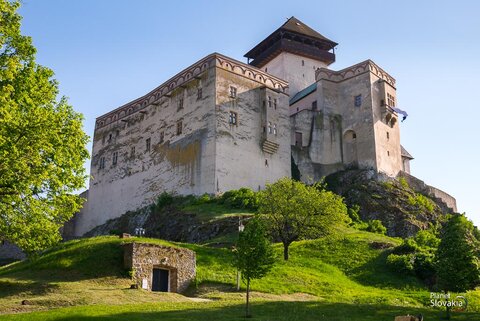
x=295, y=37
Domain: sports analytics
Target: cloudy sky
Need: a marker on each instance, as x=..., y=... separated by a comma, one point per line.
x=109, y=52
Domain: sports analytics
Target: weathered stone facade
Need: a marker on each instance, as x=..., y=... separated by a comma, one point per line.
x=143, y=258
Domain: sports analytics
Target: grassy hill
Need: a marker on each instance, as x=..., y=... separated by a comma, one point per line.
x=341, y=277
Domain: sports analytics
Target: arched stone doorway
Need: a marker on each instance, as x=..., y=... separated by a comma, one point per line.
x=350, y=148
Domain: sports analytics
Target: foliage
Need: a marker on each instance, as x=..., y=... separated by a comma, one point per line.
x=416, y=256
x=422, y=202
x=401, y=263
x=353, y=214
x=296, y=211
x=457, y=256
x=253, y=254
x=376, y=226
x=243, y=198
x=42, y=144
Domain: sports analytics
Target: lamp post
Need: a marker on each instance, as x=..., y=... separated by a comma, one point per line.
x=241, y=227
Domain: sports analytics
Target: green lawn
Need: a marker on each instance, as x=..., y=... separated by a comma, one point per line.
x=341, y=277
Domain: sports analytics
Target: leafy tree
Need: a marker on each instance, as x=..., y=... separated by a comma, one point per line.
x=458, y=267
x=296, y=211
x=42, y=144
x=254, y=255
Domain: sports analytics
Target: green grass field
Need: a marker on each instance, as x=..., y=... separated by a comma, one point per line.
x=341, y=277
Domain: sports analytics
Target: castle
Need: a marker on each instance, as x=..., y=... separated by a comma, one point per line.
x=221, y=124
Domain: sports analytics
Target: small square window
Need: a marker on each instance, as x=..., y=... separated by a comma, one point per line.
x=147, y=144
x=390, y=100
x=232, y=118
x=233, y=92
x=358, y=101
x=199, y=93
x=179, y=127
x=162, y=137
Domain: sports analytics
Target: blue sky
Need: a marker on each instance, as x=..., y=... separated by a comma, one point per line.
x=106, y=53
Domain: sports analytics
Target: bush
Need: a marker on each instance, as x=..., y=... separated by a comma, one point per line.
x=376, y=226
x=204, y=199
x=242, y=198
x=353, y=213
x=401, y=263
x=423, y=202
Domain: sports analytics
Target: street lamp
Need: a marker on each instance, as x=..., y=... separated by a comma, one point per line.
x=241, y=227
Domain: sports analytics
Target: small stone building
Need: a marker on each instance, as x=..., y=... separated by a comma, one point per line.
x=160, y=268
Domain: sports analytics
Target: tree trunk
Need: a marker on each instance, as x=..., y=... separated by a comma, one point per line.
x=285, y=251
x=247, y=307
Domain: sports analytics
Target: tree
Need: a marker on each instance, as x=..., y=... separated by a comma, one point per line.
x=253, y=255
x=42, y=144
x=457, y=258
x=296, y=211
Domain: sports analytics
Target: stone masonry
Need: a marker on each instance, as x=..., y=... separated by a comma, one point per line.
x=142, y=258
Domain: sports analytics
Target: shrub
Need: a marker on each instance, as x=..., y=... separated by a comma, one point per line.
x=376, y=226
x=353, y=213
x=241, y=198
x=401, y=263
x=423, y=202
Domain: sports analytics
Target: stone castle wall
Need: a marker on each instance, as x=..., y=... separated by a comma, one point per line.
x=142, y=258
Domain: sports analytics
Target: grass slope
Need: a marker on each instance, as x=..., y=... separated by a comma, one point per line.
x=336, y=278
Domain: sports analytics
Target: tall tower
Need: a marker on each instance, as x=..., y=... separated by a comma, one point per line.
x=293, y=52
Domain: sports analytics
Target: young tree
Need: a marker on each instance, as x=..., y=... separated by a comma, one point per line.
x=458, y=265
x=253, y=255
x=295, y=211
x=42, y=144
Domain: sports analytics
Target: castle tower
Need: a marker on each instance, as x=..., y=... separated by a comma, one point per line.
x=293, y=52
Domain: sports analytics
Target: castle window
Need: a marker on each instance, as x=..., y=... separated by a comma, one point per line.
x=269, y=101
x=303, y=62
x=388, y=153
x=179, y=127
x=109, y=137
x=266, y=162
x=275, y=103
x=314, y=105
x=266, y=69
x=233, y=92
x=147, y=144
x=115, y=158
x=232, y=118
x=269, y=127
x=390, y=100
x=102, y=163
x=162, y=137
x=180, y=104
x=298, y=139
x=354, y=136
x=358, y=101
x=132, y=151
x=388, y=135
x=199, y=93
x=274, y=129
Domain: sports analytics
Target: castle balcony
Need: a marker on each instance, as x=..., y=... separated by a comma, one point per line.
x=269, y=146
